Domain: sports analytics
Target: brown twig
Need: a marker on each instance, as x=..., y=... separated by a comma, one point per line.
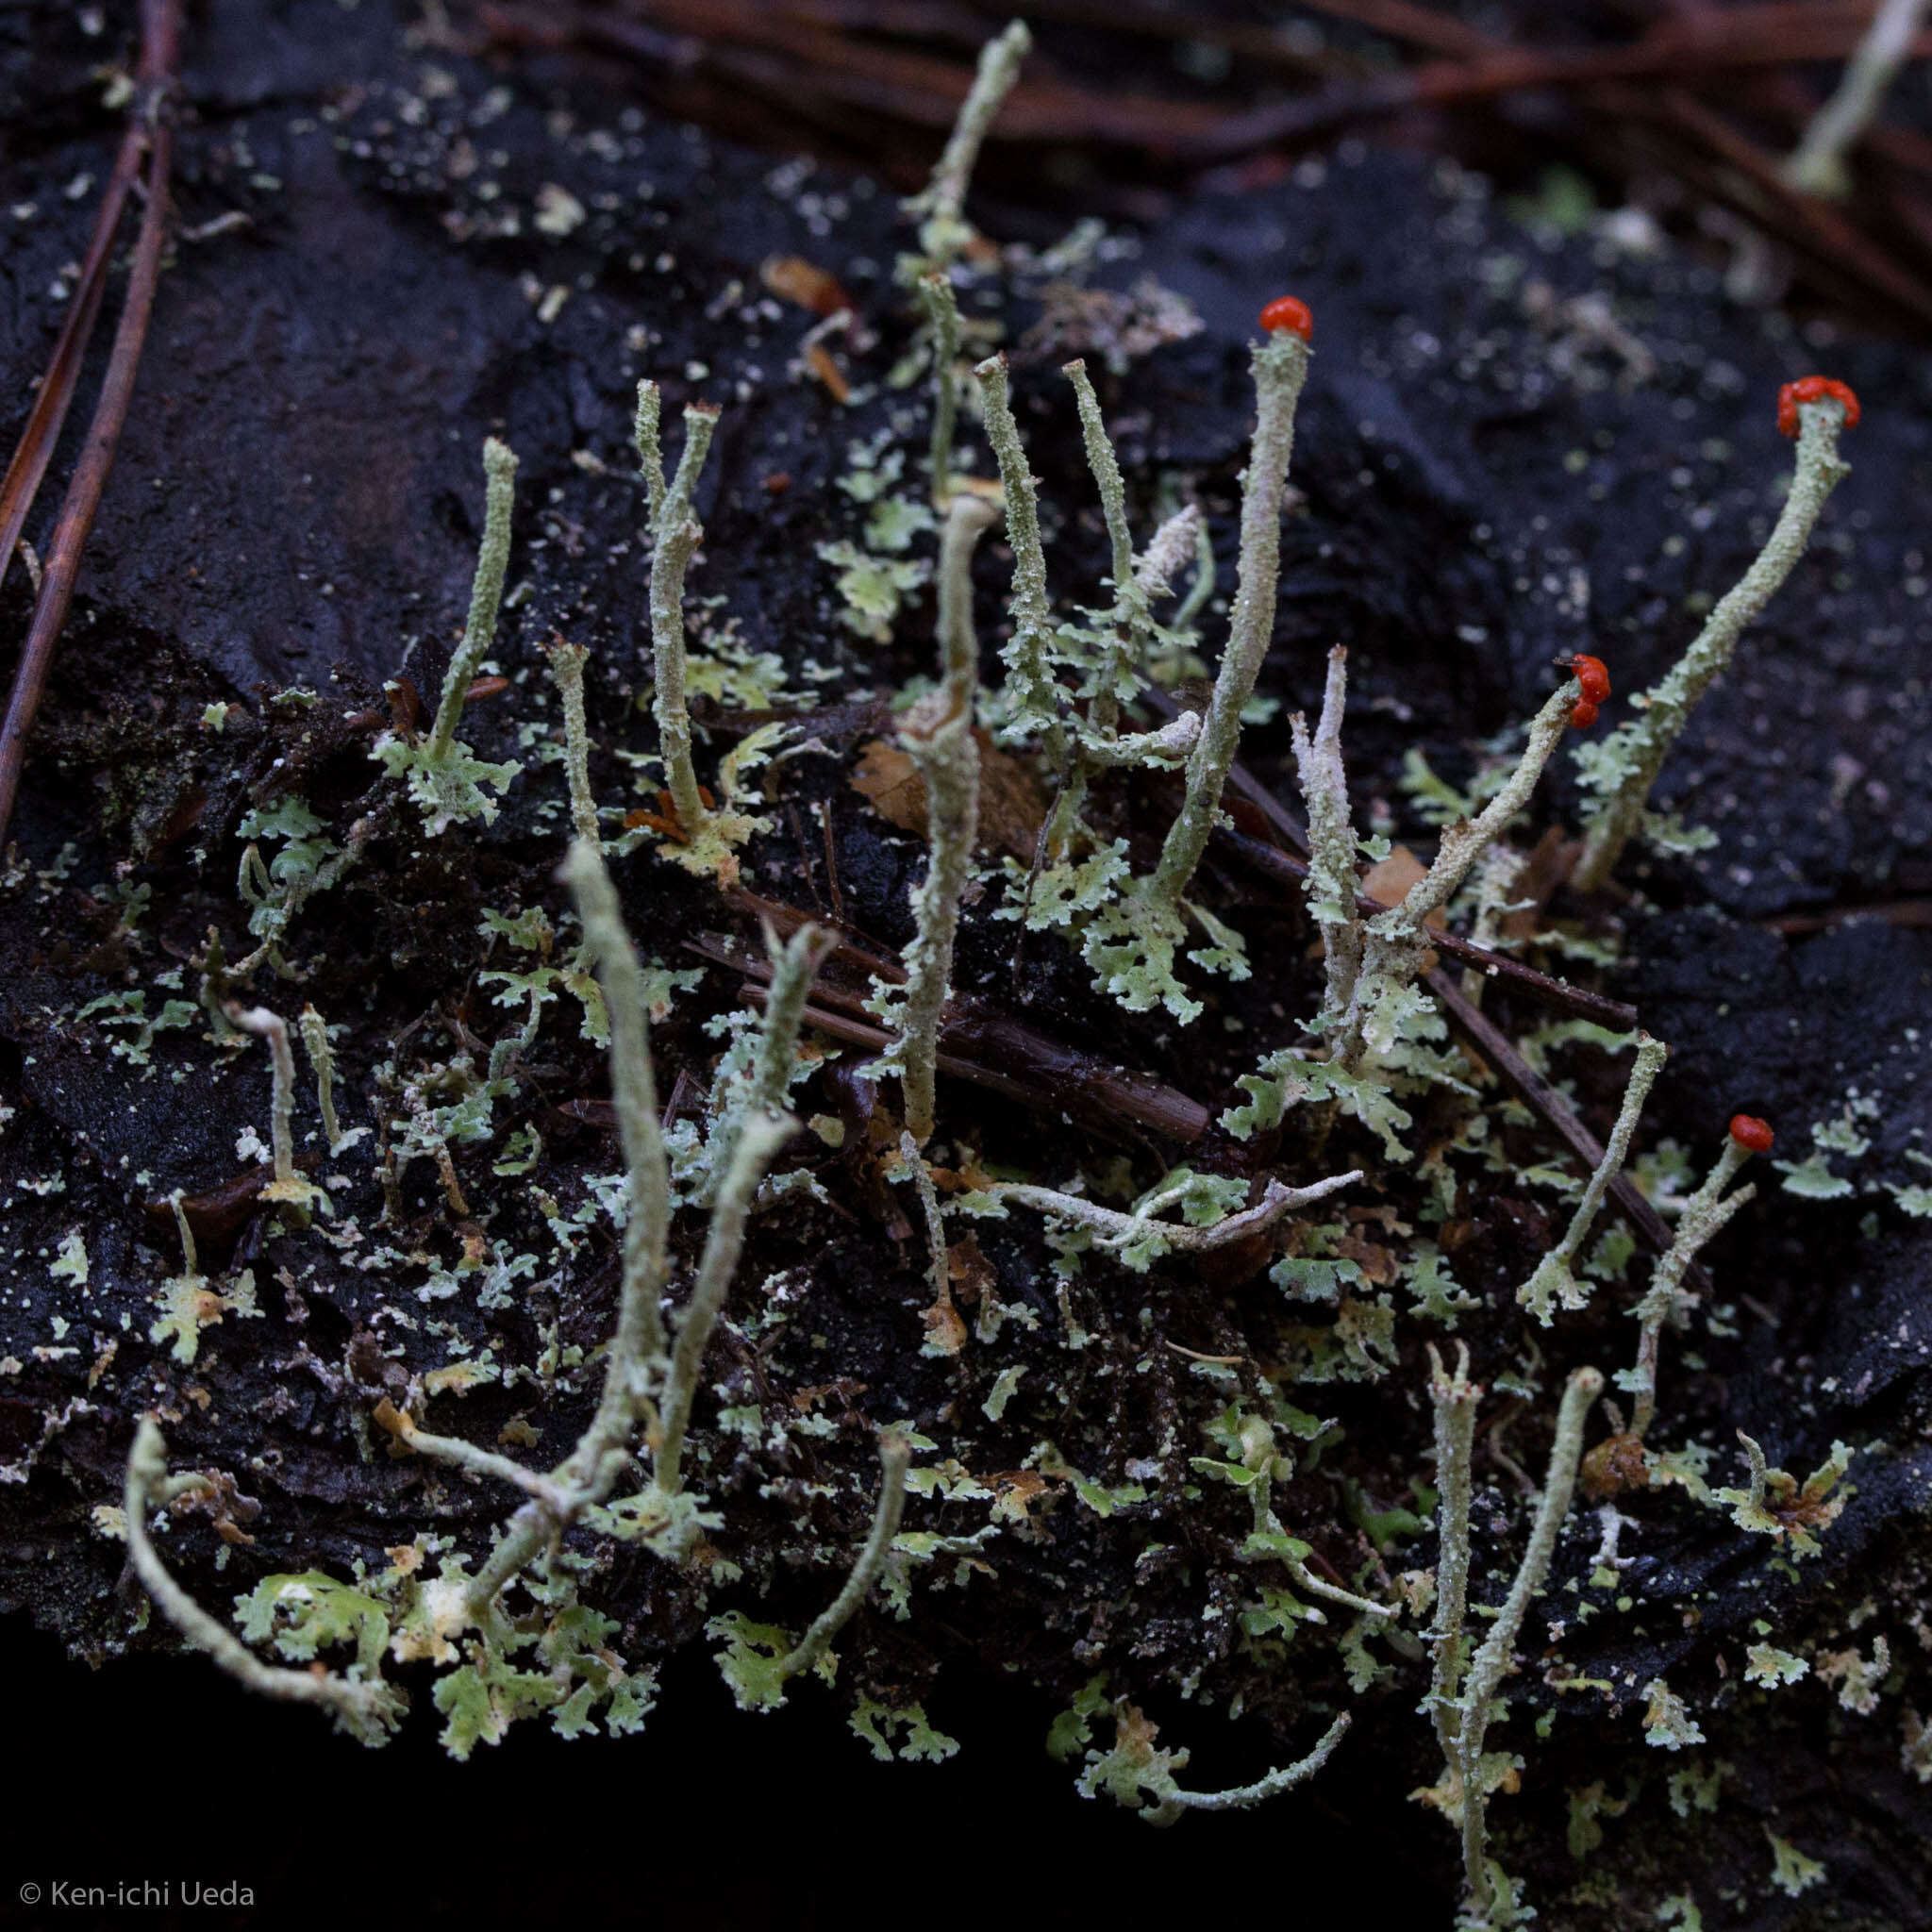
x=1709, y=46
x=1802, y=221
x=774, y=50
x=977, y=1045
x=1526, y=980
x=34, y=450
x=161, y=40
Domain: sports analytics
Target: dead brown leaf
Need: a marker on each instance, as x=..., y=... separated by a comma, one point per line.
x=1011, y=804
x=1016, y=1489
x=968, y=1271
x=1390, y=879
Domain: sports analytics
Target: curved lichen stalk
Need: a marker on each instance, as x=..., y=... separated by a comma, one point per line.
x=642, y=1369
x=367, y=1708
x=944, y=234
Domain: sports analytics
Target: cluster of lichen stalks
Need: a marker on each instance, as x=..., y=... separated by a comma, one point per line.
x=1366, y=1042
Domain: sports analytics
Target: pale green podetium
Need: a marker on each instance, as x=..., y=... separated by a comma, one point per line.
x=942, y=317
x=945, y=233
x=1135, y=928
x=1331, y=886
x=445, y=776
x=710, y=833
x=1372, y=963
x=1127, y=645
x=1700, y=1218
x=675, y=536
x=567, y=661
x=1554, y=1281
x=367, y=1708
x=649, y=1376
x=938, y=735
x=1620, y=769
x=1817, y=164
x=1282, y=369
x=1394, y=941
x=287, y=1189
x=1131, y=944
x=1462, y=1695
x=321, y=1058
x=1036, y=703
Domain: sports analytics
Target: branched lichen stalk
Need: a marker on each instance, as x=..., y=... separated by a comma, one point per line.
x=1703, y=1215
x=368, y=1711
x=948, y=758
x=567, y=667
x=1113, y=1230
x=895, y=1457
x=668, y=564
x=1461, y=1712
x=1621, y=768
x=1281, y=367
x=1555, y=1280
x=638, y=1349
x=1494, y=1658
x=759, y=1137
x=486, y=595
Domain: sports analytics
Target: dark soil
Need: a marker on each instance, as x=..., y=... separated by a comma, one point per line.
x=1488, y=485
